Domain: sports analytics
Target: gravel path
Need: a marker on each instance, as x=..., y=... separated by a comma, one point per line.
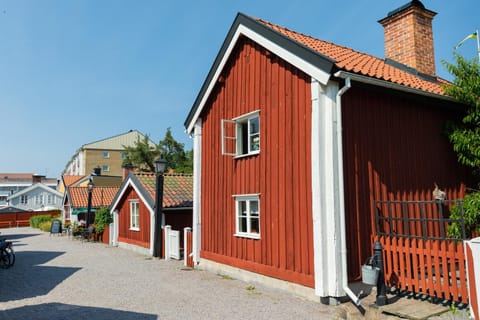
x=55, y=277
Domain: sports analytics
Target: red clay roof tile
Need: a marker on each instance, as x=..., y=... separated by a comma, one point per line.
x=177, y=188
x=101, y=196
x=361, y=63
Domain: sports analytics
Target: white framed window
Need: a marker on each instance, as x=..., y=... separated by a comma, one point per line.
x=124, y=155
x=247, y=216
x=105, y=168
x=38, y=199
x=134, y=215
x=241, y=135
x=50, y=199
x=24, y=199
x=106, y=154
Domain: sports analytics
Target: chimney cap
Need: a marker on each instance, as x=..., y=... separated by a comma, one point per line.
x=413, y=3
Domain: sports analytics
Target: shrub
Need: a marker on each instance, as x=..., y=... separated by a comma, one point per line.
x=36, y=220
x=45, y=226
x=102, y=219
x=471, y=215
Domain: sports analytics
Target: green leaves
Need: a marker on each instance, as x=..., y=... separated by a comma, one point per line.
x=471, y=215
x=102, y=218
x=465, y=136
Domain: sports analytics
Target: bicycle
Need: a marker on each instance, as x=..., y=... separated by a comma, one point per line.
x=7, y=254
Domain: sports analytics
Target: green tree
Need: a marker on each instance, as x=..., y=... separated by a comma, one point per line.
x=465, y=137
x=142, y=155
x=466, y=89
x=174, y=152
x=102, y=219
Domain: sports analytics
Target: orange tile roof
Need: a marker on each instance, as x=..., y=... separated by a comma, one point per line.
x=177, y=188
x=101, y=196
x=70, y=179
x=360, y=63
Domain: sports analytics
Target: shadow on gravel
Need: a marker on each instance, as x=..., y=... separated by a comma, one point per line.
x=16, y=237
x=54, y=311
x=27, y=278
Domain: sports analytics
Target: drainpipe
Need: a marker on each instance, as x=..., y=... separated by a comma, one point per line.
x=341, y=197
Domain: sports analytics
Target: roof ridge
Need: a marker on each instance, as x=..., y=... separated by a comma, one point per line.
x=318, y=39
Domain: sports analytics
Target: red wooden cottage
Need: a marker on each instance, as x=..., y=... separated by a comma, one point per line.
x=134, y=209
x=295, y=138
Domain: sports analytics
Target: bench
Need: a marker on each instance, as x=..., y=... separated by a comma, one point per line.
x=23, y=223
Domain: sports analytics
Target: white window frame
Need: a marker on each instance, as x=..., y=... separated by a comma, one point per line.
x=39, y=199
x=239, y=123
x=105, y=168
x=106, y=155
x=134, y=215
x=50, y=199
x=248, y=199
x=24, y=199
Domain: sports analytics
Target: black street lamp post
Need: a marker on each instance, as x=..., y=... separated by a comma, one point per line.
x=160, y=165
x=89, y=205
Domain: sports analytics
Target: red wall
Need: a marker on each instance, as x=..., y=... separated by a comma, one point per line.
x=255, y=79
x=142, y=237
x=394, y=149
x=22, y=218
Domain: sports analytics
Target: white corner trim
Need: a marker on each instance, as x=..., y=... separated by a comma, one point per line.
x=325, y=198
x=286, y=55
x=197, y=192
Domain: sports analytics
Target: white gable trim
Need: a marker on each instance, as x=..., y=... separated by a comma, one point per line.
x=121, y=193
x=316, y=73
x=33, y=187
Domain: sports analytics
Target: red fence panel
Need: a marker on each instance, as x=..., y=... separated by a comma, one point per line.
x=432, y=267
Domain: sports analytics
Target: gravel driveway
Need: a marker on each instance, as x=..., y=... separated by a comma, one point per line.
x=55, y=277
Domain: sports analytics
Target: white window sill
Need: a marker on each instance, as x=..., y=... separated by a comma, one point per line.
x=134, y=229
x=247, y=235
x=246, y=155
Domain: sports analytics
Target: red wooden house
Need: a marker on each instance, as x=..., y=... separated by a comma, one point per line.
x=134, y=209
x=294, y=140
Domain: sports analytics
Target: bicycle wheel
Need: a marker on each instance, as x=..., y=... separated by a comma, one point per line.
x=4, y=259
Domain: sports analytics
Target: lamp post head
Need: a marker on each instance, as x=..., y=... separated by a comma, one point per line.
x=160, y=165
x=90, y=185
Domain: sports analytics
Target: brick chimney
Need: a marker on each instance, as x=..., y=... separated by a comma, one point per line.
x=409, y=37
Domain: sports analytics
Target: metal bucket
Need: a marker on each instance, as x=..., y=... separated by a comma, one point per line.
x=370, y=274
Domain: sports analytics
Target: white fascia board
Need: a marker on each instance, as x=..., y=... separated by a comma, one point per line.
x=286, y=55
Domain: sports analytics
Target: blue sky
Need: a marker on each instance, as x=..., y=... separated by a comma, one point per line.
x=76, y=71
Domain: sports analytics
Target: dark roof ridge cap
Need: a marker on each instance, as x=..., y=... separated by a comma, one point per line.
x=413, y=3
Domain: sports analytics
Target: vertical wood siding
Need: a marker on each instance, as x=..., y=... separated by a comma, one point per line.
x=139, y=238
x=255, y=79
x=394, y=149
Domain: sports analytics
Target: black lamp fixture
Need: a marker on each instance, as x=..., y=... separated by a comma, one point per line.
x=89, y=205
x=160, y=166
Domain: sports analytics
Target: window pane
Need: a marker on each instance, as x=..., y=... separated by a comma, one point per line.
x=254, y=208
x=254, y=225
x=242, y=224
x=254, y=134
x=254, y=125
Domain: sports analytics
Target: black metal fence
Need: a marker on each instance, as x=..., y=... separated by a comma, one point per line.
x=427, y=220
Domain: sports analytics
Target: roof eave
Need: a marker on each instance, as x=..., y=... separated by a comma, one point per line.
x=391, y=85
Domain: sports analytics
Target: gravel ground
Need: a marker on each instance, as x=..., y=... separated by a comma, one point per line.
x=55, y=277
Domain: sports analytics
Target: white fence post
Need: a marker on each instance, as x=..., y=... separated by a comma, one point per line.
x=166, y=230
x=473, y=268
